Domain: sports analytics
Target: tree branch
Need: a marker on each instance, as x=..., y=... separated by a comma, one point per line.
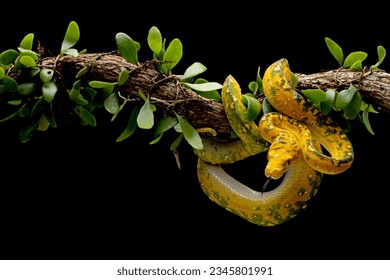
x=164, y=91
x=373, y=85
x=169, y=94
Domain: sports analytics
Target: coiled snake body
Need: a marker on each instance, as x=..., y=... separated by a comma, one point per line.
x=293, y=137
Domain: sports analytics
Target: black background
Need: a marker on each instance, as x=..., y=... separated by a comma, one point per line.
x=74, y=193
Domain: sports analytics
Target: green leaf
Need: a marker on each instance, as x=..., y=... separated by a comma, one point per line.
x=145, y=118
x=175, y=144
x=14, y=102
x=27, y=131
x=81, y=72
x=131, y=125
x=50, y=116
x=72, y=35
x=172, y=56
x=75, y=91
x=344, y=97
x=46, y=75
x=157, y=139
x=8, y=57
x=27, y=41
x=72, y=52
x=49, y=90
x=155, y=40
x=36, y=108
x=43, y=123
x=381, y=56
x=357, y=66
x=259, y=81
x=111, y=103
x=316, y=96
x=164, y=124
x=294, y=80
x=190, y=133
x=2, y=73
x=10, y=84
x=266, y=106
x=253, y=87
x=209, y=86
x=33, y=71
x=86, y=117
x=27, y=88
x=326, y=105
x=124, y=75
x=27, y=61
x=335, y=50
x=127, y=47
x=352, y=109
x=366, y=121
x=211, y=94
x=101, y=84
x=354, y=57
x=25, y=52
x=14, y=115
x=365, y=106
x=253, y=107
x=195, y=69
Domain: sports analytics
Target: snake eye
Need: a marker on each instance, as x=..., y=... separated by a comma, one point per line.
x=287, y=162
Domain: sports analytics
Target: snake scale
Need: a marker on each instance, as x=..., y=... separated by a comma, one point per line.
x=293, y=135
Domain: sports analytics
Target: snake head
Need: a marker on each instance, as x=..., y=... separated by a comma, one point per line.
x=282, y=154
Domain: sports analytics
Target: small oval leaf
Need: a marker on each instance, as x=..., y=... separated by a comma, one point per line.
x=27, y=61
x=253, y=107
x=111, y=103
x=315, y=96
x=8, y=57
x=46, y=75
x=344, y=97
x=354, y=57
x=124, y=75
x=190, y=133
x=164, y=124
x=352, y=110
x=172, y=55
x=101, y=84
x=86, y=117
x=10, y=84
x=211, y=94
x=145, y=118
x=72, y=35
x=49, y=90
x=26, y=88
x=195, y=69
x=209, y=86
x=155, y=40
x=366, y=121
x=335, y=50
x=127, y=47
x=381, y=56
x=131, y=125
x=27, y=41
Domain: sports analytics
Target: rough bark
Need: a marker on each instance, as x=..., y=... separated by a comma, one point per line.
x=169, y=94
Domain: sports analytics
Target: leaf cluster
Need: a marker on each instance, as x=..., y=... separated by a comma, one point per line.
x=347, y=102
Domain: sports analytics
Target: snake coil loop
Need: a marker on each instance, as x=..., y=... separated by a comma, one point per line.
x=294, y=137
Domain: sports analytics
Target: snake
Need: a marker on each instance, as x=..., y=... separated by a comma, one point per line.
x=294, y=134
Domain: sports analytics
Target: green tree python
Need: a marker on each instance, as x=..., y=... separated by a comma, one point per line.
x=293, y=135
